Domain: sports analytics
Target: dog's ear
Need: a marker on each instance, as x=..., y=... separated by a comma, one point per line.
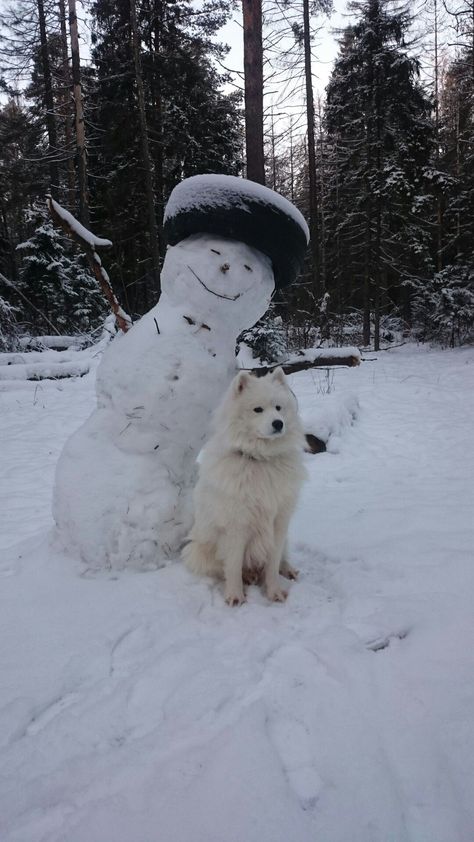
x=241, y=382
x=279, y=375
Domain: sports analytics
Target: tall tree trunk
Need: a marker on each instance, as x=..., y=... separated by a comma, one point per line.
x=71, y=176
x=322, y=203
x=49, y=102
x=377, y=279
x=147, y=164
x=312, y=176
x=366, y=291
x=253, y=73
x=11, y=253
x=292, y=164
x=158, y=124
x=79, y=116
x=274, y=185
x=379, y=157
x=439, y=204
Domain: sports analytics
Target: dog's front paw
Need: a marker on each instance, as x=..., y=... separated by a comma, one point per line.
x=235, y=598
x=277, y=594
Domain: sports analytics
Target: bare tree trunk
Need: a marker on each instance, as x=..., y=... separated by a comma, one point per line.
x=49, y=102
x=439, y=205
x=71, y=176
x=145, y=150
x=377, y=290
x=321, y=181
x=79, y=115
x=11, y=253
x=366, y=318
x=312, y=176
x=274, y=185
x=253, y=72
x=378, y=212
x=158, y=119
x=292, y=164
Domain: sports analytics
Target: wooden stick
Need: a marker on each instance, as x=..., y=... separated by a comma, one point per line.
x=74, y=230
x=320, y=362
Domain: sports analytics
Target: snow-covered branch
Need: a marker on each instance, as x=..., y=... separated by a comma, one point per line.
x=314, y=358
x=88, y=242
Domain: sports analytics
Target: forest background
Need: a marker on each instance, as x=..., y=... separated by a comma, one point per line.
x=109, y=105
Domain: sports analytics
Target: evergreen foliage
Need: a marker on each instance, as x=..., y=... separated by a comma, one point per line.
x=8, y=326
x=394, y=167
x=267, y=339
x=193, y=127
x=443, y=305
x=380, y=137
x=56, y=285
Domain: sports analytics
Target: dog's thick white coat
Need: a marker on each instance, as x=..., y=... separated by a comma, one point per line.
x=249, y=478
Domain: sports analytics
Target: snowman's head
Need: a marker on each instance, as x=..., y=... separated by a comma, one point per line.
x=221, y=282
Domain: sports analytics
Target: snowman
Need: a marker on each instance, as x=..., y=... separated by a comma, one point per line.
x=124, y=479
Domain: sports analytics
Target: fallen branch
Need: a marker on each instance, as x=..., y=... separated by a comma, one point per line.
x=302, y=365
x=321, y=362
x=56, y=343
x=44, y=371
x=88, y=242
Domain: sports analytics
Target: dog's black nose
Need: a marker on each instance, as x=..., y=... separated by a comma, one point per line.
x=277, y=425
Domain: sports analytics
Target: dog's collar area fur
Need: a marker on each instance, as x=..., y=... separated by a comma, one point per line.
x=246, y=455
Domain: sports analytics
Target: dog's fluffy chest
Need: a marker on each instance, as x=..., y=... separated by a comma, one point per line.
x=251, y=481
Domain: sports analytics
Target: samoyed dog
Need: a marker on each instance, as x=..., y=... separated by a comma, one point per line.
x=250, y=474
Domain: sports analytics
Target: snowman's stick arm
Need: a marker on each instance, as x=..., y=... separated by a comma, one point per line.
x=88, y=241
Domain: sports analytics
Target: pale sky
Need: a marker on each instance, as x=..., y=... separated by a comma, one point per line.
x=325, y=50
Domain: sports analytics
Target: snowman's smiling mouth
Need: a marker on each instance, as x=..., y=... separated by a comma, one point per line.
x=219, y=294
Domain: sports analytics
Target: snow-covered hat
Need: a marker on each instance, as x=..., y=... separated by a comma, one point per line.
x=242, y=210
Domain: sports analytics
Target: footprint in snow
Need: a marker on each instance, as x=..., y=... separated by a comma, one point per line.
x=41, y=719
x=292, y=740
x=130, y=650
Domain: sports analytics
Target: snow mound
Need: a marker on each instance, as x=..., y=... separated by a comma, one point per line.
x=143, y=709
x=330, y=417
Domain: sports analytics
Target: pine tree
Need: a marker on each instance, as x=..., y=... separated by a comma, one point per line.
x=8, y=325
x=267, y=339
x=22, y=179
x=443, y=305
x=380, y=135
x=457, y=109
x=55, y=283
x=192, y=126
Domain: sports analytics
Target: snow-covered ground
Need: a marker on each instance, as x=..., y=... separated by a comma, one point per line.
x=138, y=707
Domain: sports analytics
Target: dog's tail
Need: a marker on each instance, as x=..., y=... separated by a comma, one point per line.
x=201, y=559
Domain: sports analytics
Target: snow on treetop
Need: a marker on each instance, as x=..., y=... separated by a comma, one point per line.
x=209, y=190
x=76, y=226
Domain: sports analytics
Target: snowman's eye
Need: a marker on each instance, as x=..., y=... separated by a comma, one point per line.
x=278, y=408
x=258, y=409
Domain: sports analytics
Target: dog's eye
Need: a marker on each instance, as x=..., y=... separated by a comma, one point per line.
x=278, y=408
x=258, y=409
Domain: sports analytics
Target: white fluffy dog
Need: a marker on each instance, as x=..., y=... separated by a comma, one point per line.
x=250, y=475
